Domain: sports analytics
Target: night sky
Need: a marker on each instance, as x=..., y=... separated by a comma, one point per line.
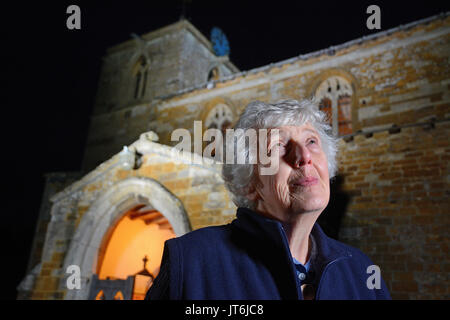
x=52, y=74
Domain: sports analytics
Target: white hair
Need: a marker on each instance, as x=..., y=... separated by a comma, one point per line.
x=239, y=178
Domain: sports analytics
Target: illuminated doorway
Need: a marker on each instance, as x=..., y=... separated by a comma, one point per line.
x=88, y=245
x=133, y=248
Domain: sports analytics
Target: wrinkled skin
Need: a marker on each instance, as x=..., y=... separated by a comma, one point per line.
x=301, y=184
x=300, y=190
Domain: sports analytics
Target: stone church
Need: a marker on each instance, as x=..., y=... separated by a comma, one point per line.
x=388, y=99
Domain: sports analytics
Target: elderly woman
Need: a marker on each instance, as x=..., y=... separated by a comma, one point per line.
x=274, y=249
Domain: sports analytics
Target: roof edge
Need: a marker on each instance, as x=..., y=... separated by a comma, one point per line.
x=329, y=50
x=158, y=33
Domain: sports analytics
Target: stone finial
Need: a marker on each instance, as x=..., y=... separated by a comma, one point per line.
x=150, y=136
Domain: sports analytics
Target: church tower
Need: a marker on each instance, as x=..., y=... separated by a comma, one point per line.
x=138, y=73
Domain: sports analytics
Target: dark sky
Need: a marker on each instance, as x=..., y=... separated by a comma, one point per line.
x=52, y=73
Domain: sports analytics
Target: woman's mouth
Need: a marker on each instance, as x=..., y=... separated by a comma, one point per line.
x=305, y=182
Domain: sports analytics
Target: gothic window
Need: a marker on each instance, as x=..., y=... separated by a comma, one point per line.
x=140, y=72
x=220, y=117
x=335, y=99
x=213, y=74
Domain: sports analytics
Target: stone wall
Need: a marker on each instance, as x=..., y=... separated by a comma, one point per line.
x=196, y=187
x=394, y=167
x=398, y=184
x=397, y=78
x=178, y=57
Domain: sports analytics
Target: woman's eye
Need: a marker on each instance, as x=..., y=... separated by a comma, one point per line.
x=277, y=146
x=312, y=141
x=280, y=146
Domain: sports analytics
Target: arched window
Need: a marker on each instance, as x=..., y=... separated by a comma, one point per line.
x=140, y=73
x=220, y=117
x=335, y=99
x=213, y=74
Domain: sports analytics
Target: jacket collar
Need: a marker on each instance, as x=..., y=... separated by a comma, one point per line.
x=266, y=230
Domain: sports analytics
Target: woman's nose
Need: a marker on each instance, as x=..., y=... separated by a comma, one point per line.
x=302, y=156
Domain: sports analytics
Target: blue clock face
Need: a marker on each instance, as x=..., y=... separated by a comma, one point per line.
x=220, y=42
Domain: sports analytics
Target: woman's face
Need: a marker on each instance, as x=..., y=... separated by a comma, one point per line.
x=301, y=184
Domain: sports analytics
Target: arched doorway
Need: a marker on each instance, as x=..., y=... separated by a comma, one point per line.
x=96, y=228
x=134, y=248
